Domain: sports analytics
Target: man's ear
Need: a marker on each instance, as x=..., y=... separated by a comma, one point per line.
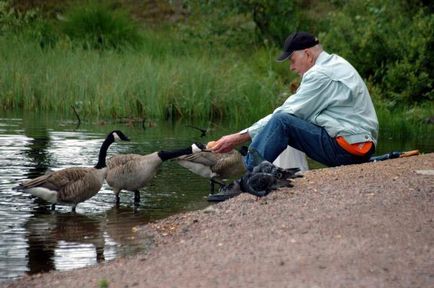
x=310, y=55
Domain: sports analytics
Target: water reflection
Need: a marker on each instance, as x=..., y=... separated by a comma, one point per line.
x=63, y=241
x=34, y=239
x=122, y=224
x=48, y=232
x=36, y=151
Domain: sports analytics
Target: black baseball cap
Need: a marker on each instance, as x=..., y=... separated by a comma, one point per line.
x=297, y=41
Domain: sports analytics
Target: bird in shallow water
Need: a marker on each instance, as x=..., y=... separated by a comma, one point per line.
x=76, y=184
x=134, y=171
x=215, y=166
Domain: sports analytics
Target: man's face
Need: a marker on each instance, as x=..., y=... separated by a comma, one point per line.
x=301, y=61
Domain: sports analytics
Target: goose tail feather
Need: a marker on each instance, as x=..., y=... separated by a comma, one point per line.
x=45, y=194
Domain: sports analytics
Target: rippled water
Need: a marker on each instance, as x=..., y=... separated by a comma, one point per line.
x=35, y=239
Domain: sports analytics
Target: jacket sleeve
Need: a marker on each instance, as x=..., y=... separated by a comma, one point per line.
x=311, y=98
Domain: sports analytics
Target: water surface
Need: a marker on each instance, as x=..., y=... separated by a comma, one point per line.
x=34, y=239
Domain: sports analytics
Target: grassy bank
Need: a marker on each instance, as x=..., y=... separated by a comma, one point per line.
x=156, y=81
x=215, y=63
x=160, y=80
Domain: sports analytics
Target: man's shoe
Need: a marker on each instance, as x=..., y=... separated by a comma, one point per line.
x=226, y=192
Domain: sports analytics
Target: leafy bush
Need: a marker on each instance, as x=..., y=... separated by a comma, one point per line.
x=389, y=44
x=214, y=26
x=29, y=24
x=241, y=24
x=98, y=26
x=12, y=20
x=274, y=19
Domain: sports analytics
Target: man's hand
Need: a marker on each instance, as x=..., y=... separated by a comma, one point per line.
x=229, y=142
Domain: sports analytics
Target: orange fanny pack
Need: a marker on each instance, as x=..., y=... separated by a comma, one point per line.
x=358, y=149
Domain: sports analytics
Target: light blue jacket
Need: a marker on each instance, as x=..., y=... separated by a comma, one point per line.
x=334, y=96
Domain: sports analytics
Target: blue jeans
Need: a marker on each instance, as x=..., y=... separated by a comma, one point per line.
x=284, y=129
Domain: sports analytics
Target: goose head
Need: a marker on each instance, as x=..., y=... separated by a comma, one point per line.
x=115, y=135
x=197, y=147
x=118, y=135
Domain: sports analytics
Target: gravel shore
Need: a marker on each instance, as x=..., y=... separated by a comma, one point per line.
x=368, y=225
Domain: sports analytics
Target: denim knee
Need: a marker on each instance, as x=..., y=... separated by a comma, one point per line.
x=283, y=117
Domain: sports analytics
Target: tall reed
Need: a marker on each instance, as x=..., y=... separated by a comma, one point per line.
x=165, y=78
x=159, y=80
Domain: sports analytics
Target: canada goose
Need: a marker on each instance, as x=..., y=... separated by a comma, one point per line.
x=215, y=166
x=73, y=185
x=133, y=171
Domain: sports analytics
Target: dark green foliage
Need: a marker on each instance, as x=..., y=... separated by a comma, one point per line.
x=243, y=23
x=98, y=26
x=248, y=23
x=28, y=23
x=389, y=43
x=273, y=19
x=215, y=25
x=12, y=20
x=45, y=34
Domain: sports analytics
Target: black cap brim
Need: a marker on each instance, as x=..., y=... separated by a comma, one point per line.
x=285, y=55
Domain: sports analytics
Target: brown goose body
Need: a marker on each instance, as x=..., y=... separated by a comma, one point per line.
x=214, y=166
x=65, y=184
x=76, y=184
x=134, y=171
x=131, y=171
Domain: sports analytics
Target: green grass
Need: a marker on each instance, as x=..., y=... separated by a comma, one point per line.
x=151, y=82
x=165, y=78
x=410, y=122
x=103, y=283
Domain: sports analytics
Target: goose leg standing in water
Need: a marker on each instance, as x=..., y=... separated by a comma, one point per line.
x=73, y=185
x=133, y=171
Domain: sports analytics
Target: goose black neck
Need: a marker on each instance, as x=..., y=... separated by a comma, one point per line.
x=103, y=152
x=166, y=155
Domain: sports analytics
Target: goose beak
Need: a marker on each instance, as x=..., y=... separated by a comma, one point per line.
x=197, y=147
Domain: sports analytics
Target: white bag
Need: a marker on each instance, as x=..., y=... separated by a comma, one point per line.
x=291, y=158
